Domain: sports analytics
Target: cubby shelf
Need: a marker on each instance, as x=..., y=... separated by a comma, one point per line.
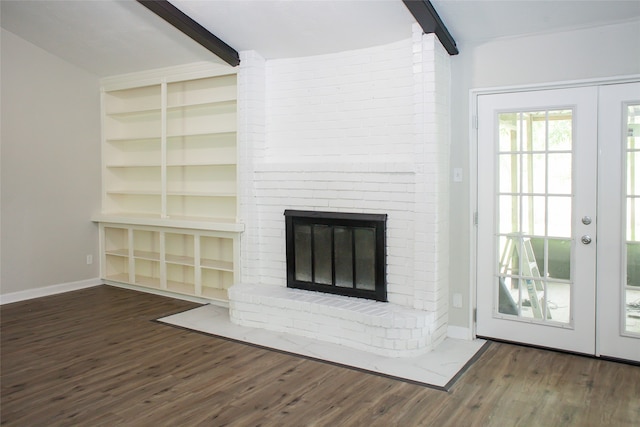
x=169, y=199
x=193, y=262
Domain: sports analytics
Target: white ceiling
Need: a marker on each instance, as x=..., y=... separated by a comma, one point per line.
x=108, y=37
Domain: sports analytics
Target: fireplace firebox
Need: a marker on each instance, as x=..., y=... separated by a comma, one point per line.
x=336, y=252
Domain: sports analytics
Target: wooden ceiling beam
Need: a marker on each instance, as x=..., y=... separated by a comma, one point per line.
x=191, y=28
x=425, y=14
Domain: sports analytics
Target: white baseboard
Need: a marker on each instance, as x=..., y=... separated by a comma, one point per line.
x=460, y=333
x=169, y=294
x=48, y=290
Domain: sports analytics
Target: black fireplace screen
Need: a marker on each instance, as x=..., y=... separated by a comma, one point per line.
x=339, y=253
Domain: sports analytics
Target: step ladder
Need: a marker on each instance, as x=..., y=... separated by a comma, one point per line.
x=528, y=270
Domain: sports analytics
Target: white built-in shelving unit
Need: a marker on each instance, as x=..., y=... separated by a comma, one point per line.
x=198, y=263
x=169, y=204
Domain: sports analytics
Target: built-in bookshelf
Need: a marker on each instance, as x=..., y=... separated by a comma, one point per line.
x=197, y=263
x=170, y=147
x=169, y=162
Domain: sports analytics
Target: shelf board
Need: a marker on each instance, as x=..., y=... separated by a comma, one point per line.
x=232, y=129
x=118, y=252
x=231, y=101
x=175, y=138
x=153, y=138
x=179, y=165
x=135, y=112
x=172, y=165
x=196, y=223
x=199, y=194
x=133, y=165
x=134, y=192
x=146, y=255
x=180, y=260
x=213, y=264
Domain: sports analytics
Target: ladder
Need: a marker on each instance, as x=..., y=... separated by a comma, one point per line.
x=528, y=270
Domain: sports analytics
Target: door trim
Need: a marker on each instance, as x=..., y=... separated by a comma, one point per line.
x=473, y=162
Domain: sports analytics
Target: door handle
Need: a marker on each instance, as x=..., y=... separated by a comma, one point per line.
x=586, y=239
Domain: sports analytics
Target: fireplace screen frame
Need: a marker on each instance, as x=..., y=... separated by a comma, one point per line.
x=353, y=221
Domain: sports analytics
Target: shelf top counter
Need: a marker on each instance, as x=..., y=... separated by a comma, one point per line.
x=210, y=224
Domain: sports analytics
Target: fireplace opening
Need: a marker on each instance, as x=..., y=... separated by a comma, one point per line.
x=338, y=253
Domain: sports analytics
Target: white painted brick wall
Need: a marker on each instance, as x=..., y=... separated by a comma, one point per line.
x=346, y=107
x=251, y=145
x=361, y=131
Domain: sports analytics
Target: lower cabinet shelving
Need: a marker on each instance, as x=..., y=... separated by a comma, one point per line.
x=186, y=261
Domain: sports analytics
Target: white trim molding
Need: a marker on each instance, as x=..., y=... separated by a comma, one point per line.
x=48, y=290
x=168, y=294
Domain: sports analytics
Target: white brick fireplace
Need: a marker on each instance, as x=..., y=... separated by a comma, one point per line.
x=362, y=131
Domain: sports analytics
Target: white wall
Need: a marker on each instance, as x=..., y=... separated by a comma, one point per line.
x=575, y=55
x=50, y=171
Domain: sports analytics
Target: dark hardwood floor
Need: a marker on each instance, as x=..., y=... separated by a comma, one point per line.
x=95, y=357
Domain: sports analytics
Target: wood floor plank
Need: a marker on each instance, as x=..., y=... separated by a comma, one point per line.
x=96, y=357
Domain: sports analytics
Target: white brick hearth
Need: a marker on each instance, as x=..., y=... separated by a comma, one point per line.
x=364, y=132
x=385, y=329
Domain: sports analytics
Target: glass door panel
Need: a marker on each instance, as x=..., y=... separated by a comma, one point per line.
x=536, y=157
x=632, y=226
x=619, y=222
x=534, y=209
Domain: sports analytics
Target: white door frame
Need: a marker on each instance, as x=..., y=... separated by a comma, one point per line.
x=473, y=162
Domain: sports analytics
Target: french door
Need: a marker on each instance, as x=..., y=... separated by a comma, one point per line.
x=557, y=259
x=618, y=277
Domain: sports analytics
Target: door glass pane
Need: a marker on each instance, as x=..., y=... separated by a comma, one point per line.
x=560, y=130
x=509, y=176
x=534, y=215
x=559, y=219
x=538, y=131
x=534, y=222
x=632, y=246
x=559, y=259
x=537, y=163
x=633, y=177
x=509, y=214
x=508, y=132
x=560, y=173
